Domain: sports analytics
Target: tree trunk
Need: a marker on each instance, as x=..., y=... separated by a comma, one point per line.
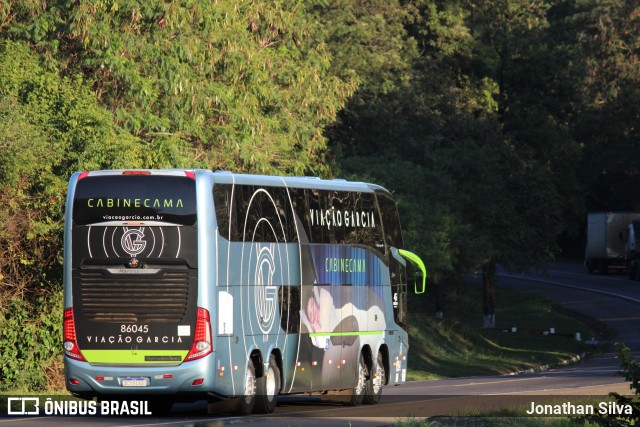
x=489, y=294
x=438, y=301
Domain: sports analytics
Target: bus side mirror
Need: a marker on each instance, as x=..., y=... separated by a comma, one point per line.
x=420, y=277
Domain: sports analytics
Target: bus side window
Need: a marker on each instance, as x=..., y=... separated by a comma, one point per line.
x=397, y=270
x=390, y=222
x=289, y=298
x=222, y=202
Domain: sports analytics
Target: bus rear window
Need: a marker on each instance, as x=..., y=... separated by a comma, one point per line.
x=169, y=199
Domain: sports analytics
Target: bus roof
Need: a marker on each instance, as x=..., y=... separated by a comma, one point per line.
x=226, y=177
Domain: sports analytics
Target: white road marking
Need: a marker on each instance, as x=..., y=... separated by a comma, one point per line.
x=550, y=282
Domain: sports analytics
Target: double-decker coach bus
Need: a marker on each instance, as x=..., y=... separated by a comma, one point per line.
x=190, y=284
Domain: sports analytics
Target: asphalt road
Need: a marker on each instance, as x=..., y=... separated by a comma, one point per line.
x=612, y=299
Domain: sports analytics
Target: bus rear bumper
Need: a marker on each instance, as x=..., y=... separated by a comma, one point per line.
x=86, y=380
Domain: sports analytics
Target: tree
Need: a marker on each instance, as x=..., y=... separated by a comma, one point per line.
x=479, y=154
x=608, y=41
x=516, y=51
x=242, y=86
x=50, y=126
x=380, y=134
x=126, y=84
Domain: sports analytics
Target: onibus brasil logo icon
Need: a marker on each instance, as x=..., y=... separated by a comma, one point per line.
x=33, y=406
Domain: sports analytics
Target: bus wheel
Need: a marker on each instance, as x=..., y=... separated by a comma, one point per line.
x=373, y=390
x=268, y=388
x=357, y=393
x=247, y=402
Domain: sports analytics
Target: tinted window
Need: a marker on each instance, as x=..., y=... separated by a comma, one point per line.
x=393, y=237
x=390, y=221
x=254, y=214
x=341, y=217
x=168, y=199
x=270, y=214
x=289, y=299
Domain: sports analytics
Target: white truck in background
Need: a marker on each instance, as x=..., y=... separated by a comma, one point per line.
x=608, y=241
x=632, y=249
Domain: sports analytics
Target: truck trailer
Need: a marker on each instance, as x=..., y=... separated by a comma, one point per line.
x=606, y=238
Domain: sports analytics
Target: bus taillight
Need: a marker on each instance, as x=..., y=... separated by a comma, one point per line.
x=202, y=338
x=70, y=344
x=136, y=172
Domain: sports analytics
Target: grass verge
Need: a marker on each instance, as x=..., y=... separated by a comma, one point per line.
x=457, y=346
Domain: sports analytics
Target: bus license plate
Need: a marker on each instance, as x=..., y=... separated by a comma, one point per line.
x=134, y=382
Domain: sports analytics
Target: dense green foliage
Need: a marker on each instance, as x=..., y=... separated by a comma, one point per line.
x=239, y=86
x=92, y=85
x=496, y=123
x=34, y=364
x=507, y=121
x=50, y=126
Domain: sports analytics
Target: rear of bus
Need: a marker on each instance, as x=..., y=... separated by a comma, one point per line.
x=132, y=324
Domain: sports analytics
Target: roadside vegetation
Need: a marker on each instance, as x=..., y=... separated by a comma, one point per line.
x=496, y=124
x=456, y=346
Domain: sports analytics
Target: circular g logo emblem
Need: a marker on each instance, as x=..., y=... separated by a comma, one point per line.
x=266, y=295
x=132, y=242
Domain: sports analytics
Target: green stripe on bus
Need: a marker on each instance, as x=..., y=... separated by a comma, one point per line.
x=138, y=357
x=344, y=334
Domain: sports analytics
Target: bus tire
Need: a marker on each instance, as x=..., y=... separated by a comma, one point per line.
x=373, y=389
x=247, y=402
x=268, y=387
x=358, y=392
